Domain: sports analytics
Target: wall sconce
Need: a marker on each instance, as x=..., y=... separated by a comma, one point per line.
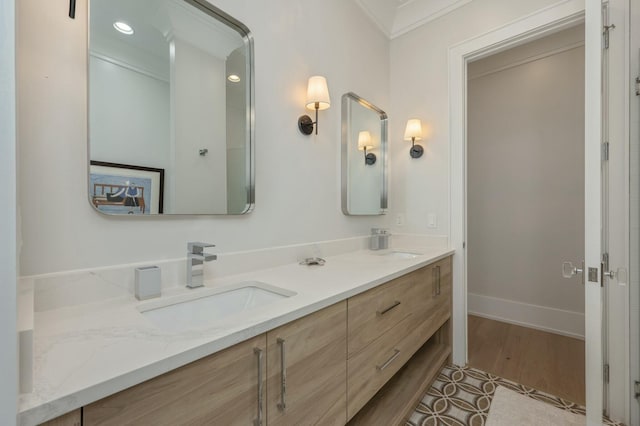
x=318, y=99
x=413, y=133
x=364, y=143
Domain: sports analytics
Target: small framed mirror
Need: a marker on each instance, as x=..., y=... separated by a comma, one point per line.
x=171, y=118
x=364, y=157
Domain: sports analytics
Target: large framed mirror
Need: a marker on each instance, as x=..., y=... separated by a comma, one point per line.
x=171, y=118
x=364, y=157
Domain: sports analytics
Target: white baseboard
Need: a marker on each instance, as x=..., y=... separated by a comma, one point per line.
x=558, y=321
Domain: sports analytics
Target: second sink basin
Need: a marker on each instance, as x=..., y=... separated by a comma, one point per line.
x=211, y=305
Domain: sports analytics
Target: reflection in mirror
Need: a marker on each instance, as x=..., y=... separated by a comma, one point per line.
x=171, y=95
x=364, y=157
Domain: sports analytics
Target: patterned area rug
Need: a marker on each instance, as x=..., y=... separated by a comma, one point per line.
x=461, y=396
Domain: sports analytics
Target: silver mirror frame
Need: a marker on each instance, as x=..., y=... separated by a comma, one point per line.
x=383, y=157
x=247, y=37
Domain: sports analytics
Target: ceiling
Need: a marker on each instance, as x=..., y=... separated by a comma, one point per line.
x=396, y=17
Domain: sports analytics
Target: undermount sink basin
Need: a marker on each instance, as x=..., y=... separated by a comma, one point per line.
x=400, y=254
x=210, y=305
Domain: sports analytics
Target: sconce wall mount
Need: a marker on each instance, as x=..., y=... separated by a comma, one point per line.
x=370, y=158
x=306, y=124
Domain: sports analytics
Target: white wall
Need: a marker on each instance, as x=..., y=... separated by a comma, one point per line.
x=199, y=120
x=128, y=116
x=298, y=177
x=525, y=162
x=419, y=75
x=8, y=354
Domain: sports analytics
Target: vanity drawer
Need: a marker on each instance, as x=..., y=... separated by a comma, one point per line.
x=376, y=311
x=372, y=367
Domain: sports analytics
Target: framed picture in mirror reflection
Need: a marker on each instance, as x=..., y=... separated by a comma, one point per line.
x=125, y=189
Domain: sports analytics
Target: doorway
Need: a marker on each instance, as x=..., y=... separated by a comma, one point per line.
x=597, y=115
x=525, y=213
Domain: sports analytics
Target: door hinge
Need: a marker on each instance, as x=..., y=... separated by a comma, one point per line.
x=636, y=389
x=606, y=373
x=605, y=151
x=637, y=86
x=605, y=34
x=464, y=244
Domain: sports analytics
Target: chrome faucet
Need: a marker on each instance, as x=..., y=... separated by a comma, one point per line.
x=195, y=257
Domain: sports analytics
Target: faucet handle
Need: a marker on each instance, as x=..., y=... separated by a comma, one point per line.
x=198, y=248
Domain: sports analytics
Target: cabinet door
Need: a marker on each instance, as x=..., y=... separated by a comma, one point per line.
x=306, y=369
x=221, y=389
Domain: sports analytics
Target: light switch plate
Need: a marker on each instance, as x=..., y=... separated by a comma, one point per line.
x=432, y=220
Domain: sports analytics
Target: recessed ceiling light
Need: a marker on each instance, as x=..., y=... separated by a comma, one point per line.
x=234, y=78
x=123, y=27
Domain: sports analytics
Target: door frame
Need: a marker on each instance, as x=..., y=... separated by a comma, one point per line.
x=8, y=227
x=528, y=28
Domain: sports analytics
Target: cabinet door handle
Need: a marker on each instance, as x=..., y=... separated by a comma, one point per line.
x=283, y=377
x=384, y=311
x=259, y=353
x=434, y=281
x=438, y=268
x=395, y=355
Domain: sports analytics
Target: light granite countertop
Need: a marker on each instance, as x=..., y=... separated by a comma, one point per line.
x=85, y=352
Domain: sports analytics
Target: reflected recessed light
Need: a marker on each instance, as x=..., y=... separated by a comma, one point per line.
x=123, y=27
x=234, y=78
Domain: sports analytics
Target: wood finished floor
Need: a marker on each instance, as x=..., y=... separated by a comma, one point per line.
x=545, y=361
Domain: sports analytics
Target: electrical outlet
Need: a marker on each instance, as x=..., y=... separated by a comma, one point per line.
x=400, y=219
x=432, y=220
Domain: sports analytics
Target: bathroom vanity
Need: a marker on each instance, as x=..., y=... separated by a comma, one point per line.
x=340, y=363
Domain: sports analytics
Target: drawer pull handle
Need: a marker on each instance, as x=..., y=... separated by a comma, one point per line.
x=282, y=405
x=389, y=361
x=384, y=311
x=435, y=286
x=434, y=282
x=259, y=353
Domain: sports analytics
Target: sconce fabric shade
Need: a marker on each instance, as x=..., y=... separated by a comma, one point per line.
x=318, y=93
x=364, y=141
x=413, y=131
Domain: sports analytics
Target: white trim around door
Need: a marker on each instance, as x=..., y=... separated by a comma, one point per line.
x=539, y=24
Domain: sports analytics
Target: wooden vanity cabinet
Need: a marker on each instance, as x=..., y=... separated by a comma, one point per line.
x=307, y=370
x=366, y=360
x=423, y=333
x=221, y=389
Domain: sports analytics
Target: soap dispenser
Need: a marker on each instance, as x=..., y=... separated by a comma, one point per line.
x=379, y=239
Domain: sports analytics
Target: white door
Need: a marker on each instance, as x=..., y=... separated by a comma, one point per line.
x=593, y=211
x=593, y=223
x=598, y=344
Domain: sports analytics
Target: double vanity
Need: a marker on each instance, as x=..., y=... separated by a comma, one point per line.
x=291, y=344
